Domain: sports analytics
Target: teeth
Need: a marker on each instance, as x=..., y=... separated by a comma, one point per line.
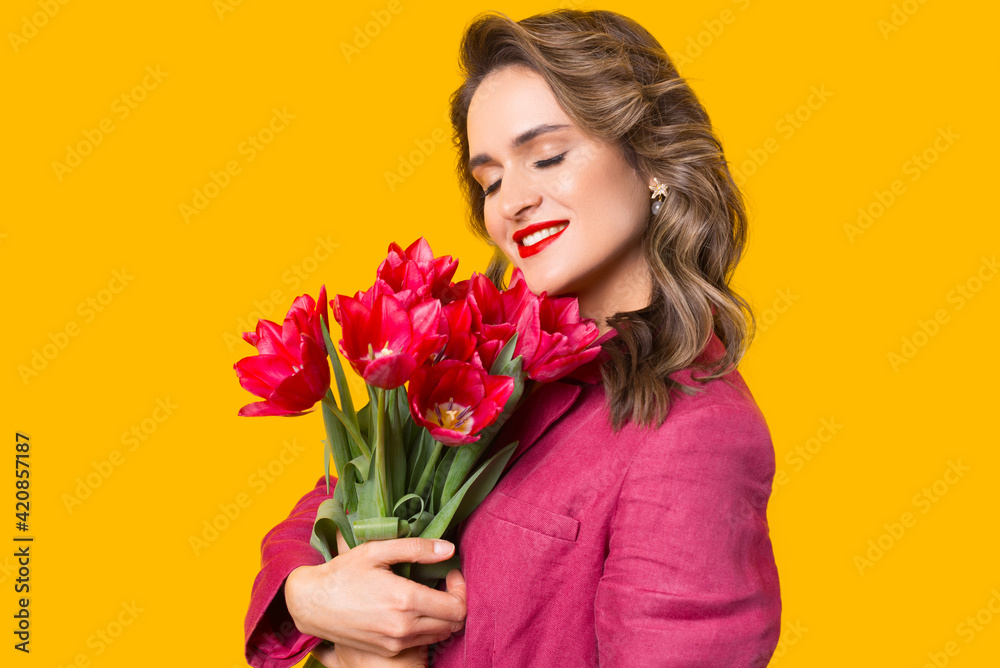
x=535, y=237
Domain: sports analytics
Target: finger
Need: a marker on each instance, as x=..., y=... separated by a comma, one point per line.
x=429, y=639
x=431, y=626
x=455, y=583
x=342, y=546
x=351, y=657
x=433, y=604
x=415, y=657
x=409, y=550
x=326, y=654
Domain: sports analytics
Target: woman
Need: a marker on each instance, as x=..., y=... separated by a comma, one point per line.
x=630, y=527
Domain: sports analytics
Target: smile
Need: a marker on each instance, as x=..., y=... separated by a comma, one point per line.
x=534, y=238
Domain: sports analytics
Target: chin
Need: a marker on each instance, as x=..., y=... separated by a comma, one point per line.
x=538, y=285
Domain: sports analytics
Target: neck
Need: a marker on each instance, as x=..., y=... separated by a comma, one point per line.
x=627, y=291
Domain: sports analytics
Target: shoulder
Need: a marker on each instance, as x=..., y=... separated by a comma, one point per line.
x=722, y=406
x=719, y=426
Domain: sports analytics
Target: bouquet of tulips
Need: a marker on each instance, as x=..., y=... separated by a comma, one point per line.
x=444, y=365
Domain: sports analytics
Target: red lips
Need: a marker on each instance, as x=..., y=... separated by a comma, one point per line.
x=527, y=251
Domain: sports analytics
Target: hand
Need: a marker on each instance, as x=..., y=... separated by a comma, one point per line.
x=356, y=600
x=342, y=656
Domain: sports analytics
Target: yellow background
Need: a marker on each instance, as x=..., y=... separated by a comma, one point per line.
x=892, y=78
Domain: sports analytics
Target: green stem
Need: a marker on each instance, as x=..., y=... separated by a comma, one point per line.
x=382, y=469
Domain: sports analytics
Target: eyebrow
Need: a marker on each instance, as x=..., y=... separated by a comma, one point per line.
x=518, y=141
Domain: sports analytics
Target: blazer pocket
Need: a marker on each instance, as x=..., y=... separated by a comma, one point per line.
x=532, y=518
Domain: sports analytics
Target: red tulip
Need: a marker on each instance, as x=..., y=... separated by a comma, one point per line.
x=457, y=400
x=494, y=317
x=558, y=337
x=456, y=325
x=415, y=272
x=552, y=338
x=454, y=292
x=290, y=371
x=386, y=342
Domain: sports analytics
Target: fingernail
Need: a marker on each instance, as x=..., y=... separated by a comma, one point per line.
x=442, y=547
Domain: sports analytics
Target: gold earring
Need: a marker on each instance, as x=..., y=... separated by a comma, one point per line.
x=659, y=191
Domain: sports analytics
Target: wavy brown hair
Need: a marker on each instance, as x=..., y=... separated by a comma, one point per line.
x=617, y=83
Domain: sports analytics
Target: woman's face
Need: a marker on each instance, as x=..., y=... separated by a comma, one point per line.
x=565, y=207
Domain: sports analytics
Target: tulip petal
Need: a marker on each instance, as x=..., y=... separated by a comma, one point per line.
x=389, y=371
x=315, y=369
x=262, y=371
x=294, y=394
x=261, y=408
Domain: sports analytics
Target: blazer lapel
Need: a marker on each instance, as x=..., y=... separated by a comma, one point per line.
x=533, y=418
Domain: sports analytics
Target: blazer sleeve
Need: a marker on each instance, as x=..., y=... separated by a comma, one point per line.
x=272, y=641
x=690, y=578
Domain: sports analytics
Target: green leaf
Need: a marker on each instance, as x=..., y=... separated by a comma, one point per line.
x=330, y=516
x=416, y=459
x=483, y=482
x=504, y=356
x=470, y=453
x=359, y=468
x=338, y=371
x=380, y=528
x=465, y=459
x=354, y=472
x=403, y=406
x=352, y=430
x=369, y=497
x=372, y=412
x=411, y=430
x=395, y=455
x=336, y=443
x=340, y=495
x=440, y=475
x=490, y=473
x=364, y=422
x=429, y=574
x=428, y=462
x=395, y=509
x=379, y=465
x=419, y=522
x=513, y=369
x=327, y=453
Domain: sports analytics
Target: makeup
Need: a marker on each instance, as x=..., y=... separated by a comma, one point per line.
x=538, y=246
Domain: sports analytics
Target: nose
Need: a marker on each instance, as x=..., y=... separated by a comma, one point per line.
x=518, y=194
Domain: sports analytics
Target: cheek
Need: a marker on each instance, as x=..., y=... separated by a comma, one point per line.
x=496, y=229
x=623, y=200
x=493, y=228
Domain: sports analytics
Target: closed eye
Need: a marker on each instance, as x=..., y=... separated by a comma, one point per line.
x=548, y=162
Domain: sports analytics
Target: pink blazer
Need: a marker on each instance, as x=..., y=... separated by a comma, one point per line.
x=641, y=548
